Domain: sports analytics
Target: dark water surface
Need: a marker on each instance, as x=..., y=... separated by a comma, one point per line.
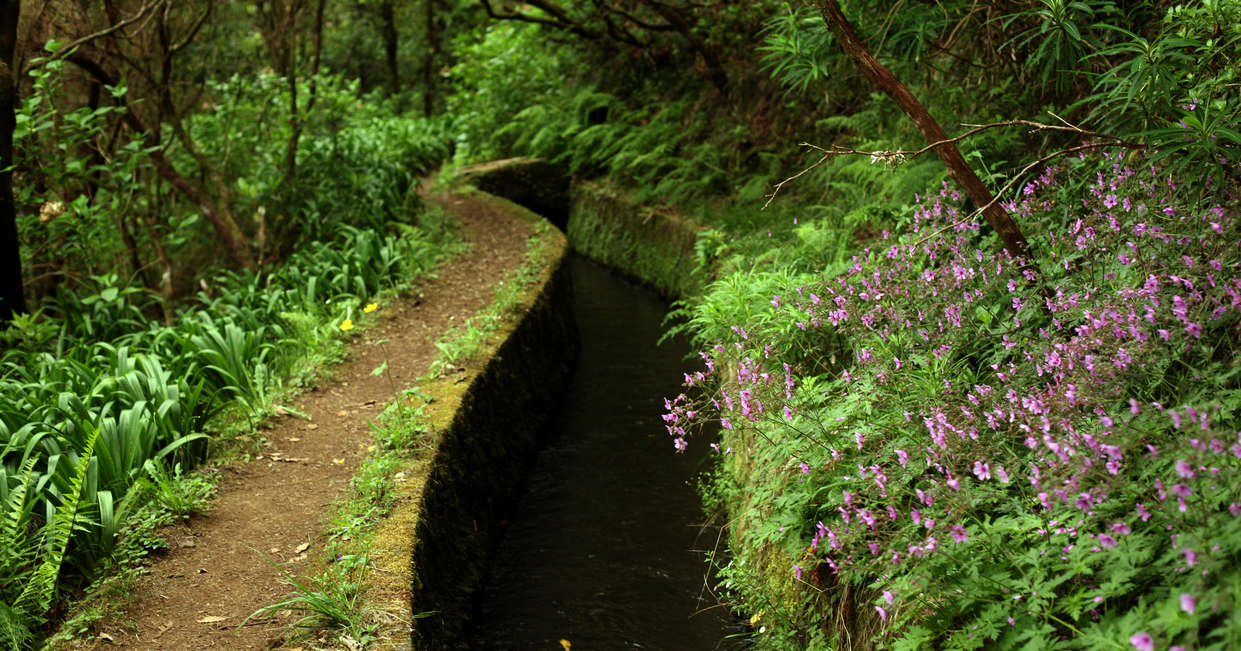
x=598, y=550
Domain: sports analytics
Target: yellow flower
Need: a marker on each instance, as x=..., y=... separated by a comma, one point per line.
x=346, y=325
x=370, y=308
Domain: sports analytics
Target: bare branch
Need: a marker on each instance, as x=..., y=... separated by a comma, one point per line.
x=1021, y=174
x=559, y=20
x=667, y=27
x=189, y=36
x=898, y=156
x=108, y=31
x=823, y=159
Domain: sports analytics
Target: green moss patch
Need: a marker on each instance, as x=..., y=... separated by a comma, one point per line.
x=482, y=426
x=654, y=246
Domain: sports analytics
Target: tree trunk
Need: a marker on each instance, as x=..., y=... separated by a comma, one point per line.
x=430, y=59
x=12, y=297
x=387, y=17
x=295, y=123
x=222, y=220
x=1010, y=233
x=316, y=55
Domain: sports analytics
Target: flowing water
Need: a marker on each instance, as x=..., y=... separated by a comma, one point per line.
x=598, y=551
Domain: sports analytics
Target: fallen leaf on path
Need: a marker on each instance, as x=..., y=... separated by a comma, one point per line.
x=566, y=644
x=301, y=548
x=105, y=636
x=275, y=550
x=342, y=413
x=211, y=619
x=293, y=439
x=312, y=426
x=338, y=461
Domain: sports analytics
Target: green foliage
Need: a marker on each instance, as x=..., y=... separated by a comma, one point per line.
x=30, y=564
x=70, y=200
x=356, y=165
x=137, y=396
x=330, y=601
x=172, y=492
x=660, y=144
x=366, y=176
x=1060, y=35
x=797, y=51
x=1177, y=90
x=400, y=426
x=503, y=69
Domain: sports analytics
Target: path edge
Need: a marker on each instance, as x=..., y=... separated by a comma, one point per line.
x=430, y=552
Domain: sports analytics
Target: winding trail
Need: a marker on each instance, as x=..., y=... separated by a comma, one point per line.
x=215, y=573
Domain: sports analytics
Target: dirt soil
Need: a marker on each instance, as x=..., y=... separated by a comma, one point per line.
x=215, y=573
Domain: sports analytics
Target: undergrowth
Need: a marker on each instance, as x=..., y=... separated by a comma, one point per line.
x=920, y=449
x=101, y=407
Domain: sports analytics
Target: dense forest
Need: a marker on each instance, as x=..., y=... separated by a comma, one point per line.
x=971, y=303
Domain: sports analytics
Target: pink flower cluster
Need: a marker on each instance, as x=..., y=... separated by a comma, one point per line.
x=988, y=386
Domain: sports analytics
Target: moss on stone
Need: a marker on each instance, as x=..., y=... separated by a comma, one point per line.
x=534, y=183
x=486, y=423
x=654, y=246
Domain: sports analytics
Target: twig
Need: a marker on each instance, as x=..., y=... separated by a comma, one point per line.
x=67, y=49
x=1017, y=177
x=898, y=156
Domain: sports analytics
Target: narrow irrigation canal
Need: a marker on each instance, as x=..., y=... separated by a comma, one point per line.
x=599, y=548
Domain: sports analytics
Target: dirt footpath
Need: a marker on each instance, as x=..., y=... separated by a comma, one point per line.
x=217, y=570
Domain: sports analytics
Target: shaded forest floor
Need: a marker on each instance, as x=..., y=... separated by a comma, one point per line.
x=272, y=511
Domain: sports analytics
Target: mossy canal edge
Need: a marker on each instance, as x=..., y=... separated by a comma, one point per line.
x=429, y=553
x=484, y=420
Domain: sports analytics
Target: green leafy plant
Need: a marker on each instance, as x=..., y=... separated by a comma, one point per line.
x=1062, y=34
x=330, y=601
x=28, y=598
x=797, y=51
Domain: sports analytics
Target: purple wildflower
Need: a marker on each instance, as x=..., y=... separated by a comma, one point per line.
x=1188, y=603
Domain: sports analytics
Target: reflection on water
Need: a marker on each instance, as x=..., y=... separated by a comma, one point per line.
x=599, y=549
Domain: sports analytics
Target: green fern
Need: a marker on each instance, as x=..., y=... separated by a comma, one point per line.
x=14, y=553
x=35, y=600
x=19, y=616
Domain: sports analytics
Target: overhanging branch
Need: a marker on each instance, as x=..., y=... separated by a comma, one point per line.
x=66, y=50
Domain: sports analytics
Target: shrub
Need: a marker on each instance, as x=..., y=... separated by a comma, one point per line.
x=997, y=467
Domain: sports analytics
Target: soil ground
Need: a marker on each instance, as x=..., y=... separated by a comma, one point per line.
x=217, y=570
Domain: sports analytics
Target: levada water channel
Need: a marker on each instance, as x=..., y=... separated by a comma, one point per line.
x=598, y=551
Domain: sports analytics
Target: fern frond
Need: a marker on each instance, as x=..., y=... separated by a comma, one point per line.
x=13, y=524
x=15, y=633
x=36, y=598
